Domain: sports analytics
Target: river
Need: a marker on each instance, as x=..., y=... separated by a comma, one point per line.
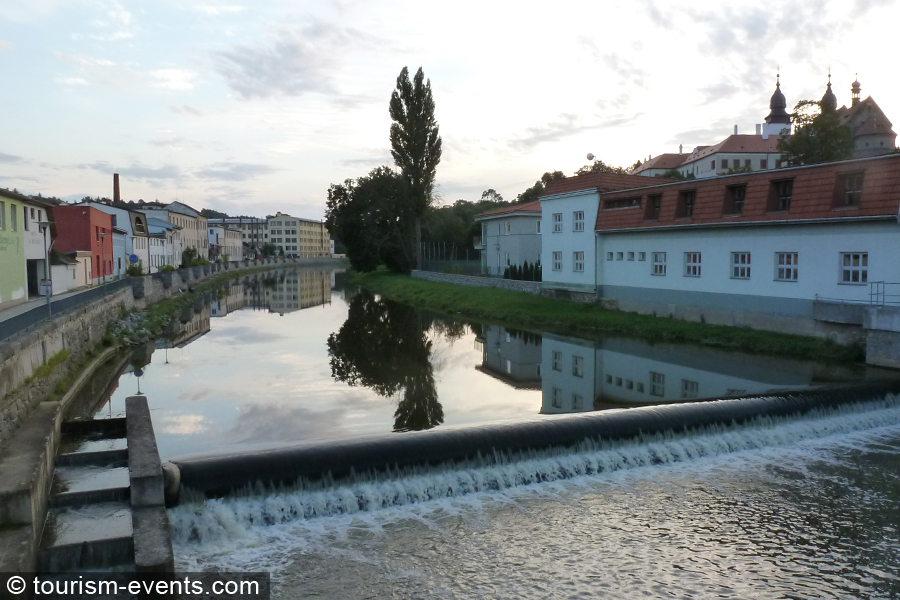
x=779, y=508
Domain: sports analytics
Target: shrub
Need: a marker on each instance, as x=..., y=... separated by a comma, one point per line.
x=136, y=269
x=167, y=268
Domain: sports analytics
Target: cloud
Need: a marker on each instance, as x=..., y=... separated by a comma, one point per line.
x=6, y=45
x=186, y=109
x=9, y=158
x=121, y=76
x=115, y=23
x=625, y=69
x=285, y=423
x=564, y=126
x=215, y=10
x=136, y=171
x=232, y=171
x=719, y=91
x=297, y=60
x=373, y=157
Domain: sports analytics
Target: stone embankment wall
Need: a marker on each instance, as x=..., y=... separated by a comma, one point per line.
x=531, y=287
x=83, y=328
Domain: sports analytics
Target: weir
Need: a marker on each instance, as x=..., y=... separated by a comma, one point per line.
x=223, y=473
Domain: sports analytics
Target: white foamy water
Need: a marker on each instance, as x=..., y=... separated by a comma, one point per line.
x=801, y=507
x=220, y=519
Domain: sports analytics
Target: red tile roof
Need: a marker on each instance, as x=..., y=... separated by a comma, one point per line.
x=603, y=182
x=534, y=206
x=814, y=197
x=663, y=161
x=737, y=144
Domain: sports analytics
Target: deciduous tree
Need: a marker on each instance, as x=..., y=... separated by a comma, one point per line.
x=819, y=136
x=415, y=143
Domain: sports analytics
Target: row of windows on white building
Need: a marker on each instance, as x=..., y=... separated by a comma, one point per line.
x=853, y=266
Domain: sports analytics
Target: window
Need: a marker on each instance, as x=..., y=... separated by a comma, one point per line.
x=747, y=163
x=578, y=216
x=763, y=164
x=609, y=379
x=557, y=222
x=740, y=265
x=620, y=255
x=578, y=261
x=686, y=204
x=538, y=225
x=507, y=259
x=557, y=398
x=508, y=228
x=734, y=199
x=854, y=267
x=556, y=364
x=509, y=366
x=557, y=261
x=785, y=266
x=578, y=366
x=692, y=264
x=577, y=402
x=724, y=163
x=609, y=256
x=653, y=205
x=689, y=389
x=781, y=195
x=712, y=165
x=657, y=384
x=850, y=189
x=13, y=215
x=659, y=263
x=622, y=203
x=631, y=256
x=640, y=387
x=25, y=217
x=642, y=256
x=629, y=384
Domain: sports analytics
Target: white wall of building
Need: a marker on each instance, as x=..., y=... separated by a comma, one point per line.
x=563, y=391
x=510, y=240
x=568, y=241
x=819, y=249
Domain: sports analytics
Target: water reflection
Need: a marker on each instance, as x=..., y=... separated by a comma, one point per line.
x=383, y=346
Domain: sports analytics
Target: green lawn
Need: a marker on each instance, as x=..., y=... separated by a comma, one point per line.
x=526, y=311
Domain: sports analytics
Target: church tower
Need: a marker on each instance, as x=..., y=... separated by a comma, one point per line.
x=828, y=103
x=778, y=118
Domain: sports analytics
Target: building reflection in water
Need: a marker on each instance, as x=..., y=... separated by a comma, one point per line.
x=577, y=375
x=286, y=292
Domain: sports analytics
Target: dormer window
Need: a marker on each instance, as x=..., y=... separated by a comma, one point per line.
x=780, y=195
x=654, y=203
x=686, y=204
x=734, y=199
x=849, y=188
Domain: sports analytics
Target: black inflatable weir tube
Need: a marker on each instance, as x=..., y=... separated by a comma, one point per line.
x=219, y=474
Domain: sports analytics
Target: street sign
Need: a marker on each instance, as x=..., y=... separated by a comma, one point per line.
x=133, y=258
x=46, y=287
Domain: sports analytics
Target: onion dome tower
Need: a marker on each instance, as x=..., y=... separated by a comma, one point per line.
x=777, y=105
x=828, y=103
x=855, y=89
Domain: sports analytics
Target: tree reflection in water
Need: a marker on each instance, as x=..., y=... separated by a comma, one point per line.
x=383, y=346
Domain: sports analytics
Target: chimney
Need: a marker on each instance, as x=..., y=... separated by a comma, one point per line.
x=735, y=130
x=758, y=129
x=116, y=187
x=680, y=148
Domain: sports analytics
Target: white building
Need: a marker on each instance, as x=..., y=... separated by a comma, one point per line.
x=568, y=213
x=298, y=237
x=775, y=250
x=225, y=242
x=510, y=236
x=34, y=211
x=253, y=231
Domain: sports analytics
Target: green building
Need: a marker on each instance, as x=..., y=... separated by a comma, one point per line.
x=13, y=278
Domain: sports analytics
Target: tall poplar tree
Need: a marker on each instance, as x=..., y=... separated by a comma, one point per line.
x=415, y=143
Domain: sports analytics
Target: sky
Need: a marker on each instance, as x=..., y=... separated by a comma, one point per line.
x=257, y=107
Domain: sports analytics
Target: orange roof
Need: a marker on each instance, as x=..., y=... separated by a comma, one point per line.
x=663, y=161
x=534, y=206
x=738, y=143
x=603, y=182
x=815, y=196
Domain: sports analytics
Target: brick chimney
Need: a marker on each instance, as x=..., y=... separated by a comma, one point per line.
x=116, y=187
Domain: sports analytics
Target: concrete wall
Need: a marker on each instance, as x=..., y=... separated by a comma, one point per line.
x=531, y=287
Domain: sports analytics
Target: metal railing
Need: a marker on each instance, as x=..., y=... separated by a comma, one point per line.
x=27, y=320
x=881, y=293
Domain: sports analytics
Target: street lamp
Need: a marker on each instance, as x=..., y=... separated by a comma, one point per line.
x=47, y=283
x=103, y=260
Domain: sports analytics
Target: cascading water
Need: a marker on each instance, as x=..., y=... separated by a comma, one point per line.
x=228, y=518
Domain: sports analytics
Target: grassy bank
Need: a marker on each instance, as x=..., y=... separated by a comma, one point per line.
x=526, y=311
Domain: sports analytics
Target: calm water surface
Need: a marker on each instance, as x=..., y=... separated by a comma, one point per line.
x=791, y=508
